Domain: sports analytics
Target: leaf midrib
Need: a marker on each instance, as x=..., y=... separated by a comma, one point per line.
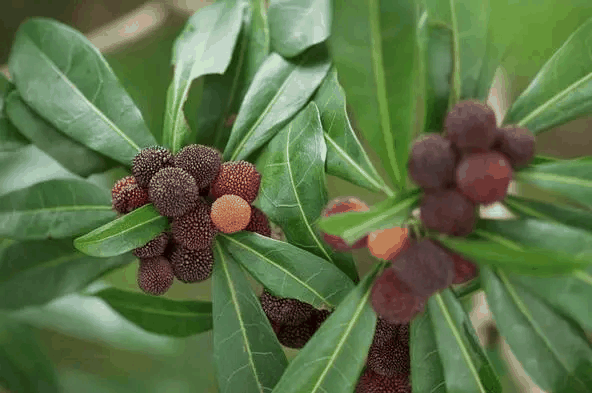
x=103, y=239
x=559, y=179
x=155, y=311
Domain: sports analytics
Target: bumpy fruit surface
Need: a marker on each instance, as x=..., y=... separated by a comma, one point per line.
x=201, y=162
x=516, y=143
x=195, y=229
x=154, y=247
x=237, y=178
x=129, y=197
x=371, y=382
x=484, y=177
x=388, y=243
x=384, y=332
x=449, y=212
x=343, y=205
x=173, y=192
x=192, y=265
x=230, y=213
x=471, y=124
x=431, y=162
x=258, y=223
x=285, y=311
x=464, y=270
x=390, y=358
x=155, y=275
x=149, y=162
x=297, y=336
x=393, y=300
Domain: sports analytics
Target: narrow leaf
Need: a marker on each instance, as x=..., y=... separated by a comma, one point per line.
x=427, y=372
x=334, y=357
x=159, y=315
x=247, y=354
x=204, y=46
x=288, y=271
x=567, y=215
x=561, y=90
x=123, y=234
x=278, y=91
x=298, y=24
x=555, y=355
x=466, y=367
x=67, y=81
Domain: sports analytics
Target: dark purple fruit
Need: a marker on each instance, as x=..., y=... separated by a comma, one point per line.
x=154, y=247
x=449, y=212
x=201, y=162
x=195, y=229
x=155, y=275
x=285, y=311
x=471, y=124
x=173, y=192
x=431, y=162
x=393, y=300
x=371, y=382
x=516, y=143
x=192, y=265
x=149, y=162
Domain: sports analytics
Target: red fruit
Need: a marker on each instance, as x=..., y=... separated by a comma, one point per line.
x=155, y=275
x=343, y=205
x=449, y=212
x=431, y=162
x=237, y=178
x=471, y=124
x=154, y=247
x=127, y=195
x=389, y=358
x=516, y=143
x=393, y=300
x=464, y=270
x=384, y=332
x=371, y=382
x=484, y=177
x=258, y=223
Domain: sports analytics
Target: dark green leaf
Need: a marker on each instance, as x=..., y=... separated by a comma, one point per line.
x=334, y=357
x=25, y=367
x=346, y=157
x=223, y=94
x=67, y=81
x=466, y=367
x=204, y=46
x=295, y=25
x=247, y=354
x=278, y=91
x=539, y=159
x=427, y=372
x=35, y=272
x=124, y=234
x=374, y=46
x=159, y=315
x=73, y=155
x=10, y=138
x=390, y=213
x=287, y=270
x=293, y=190
x=54, y=209
x=561, y=90
x=554, y=354
x=572, y=178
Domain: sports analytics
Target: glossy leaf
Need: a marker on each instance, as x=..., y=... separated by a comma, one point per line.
x=223, y=94
x=27, y=166
x=35, y=272
x=67, y=81
x=466, y=367
x=204, y=46
x=247, y=354
x=346, y=157
x=54, y=209
x=298, y=24
x=160, y=315
x=557, y=356
x=123, y=234
x=374, y=47
x=561, y=90
x=352, y=226
x=550, y=212
x=10, y=138
x=334, y=357
x=293, y=191
x=25, y=367
x=73, y=155
x=288, y=271
x=279, y=90
x=571, y=178
x=427, y=372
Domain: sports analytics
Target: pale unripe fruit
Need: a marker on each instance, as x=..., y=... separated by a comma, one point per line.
x=388, y=243
x=230, y=213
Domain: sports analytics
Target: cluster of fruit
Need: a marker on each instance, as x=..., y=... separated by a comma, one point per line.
x=201, y=196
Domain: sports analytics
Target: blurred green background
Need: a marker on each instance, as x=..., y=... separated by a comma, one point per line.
x=97, y=351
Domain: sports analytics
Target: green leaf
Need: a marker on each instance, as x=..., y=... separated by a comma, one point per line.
x=123, y=234
x=571, y=178
x=293, y=190
x=35, y=272
x=26, y=368
x=554, y=354
x=287, y=270
x=222, y=95
x=54, y=209
x=10, y=138
x=334, y=357
x=159, y=315
x=298, y=24
x=247, y=354
x=510, y=256
x=204, y=46
x=27, y=166
x=390, y=213
x=67, y=81
x=427, y=372
x=279, y=90
x=374, y=46
x=73, y=155
x=561, y=90
x=346, y=157
x=466, y=367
